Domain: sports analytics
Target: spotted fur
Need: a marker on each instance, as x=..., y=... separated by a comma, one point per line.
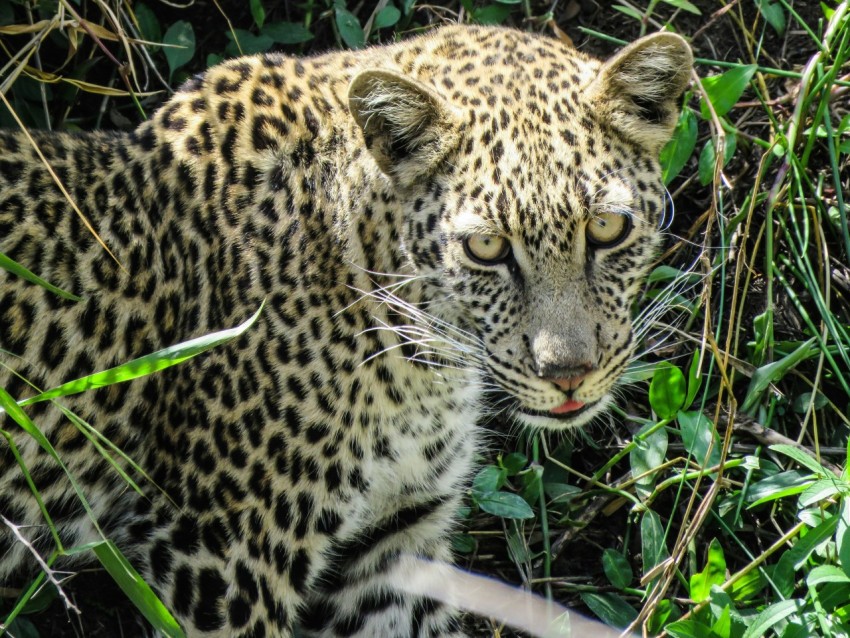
x=289, y=470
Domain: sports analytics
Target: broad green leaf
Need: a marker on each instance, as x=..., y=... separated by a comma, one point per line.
x=820, y=491
x=653, y=547
x=505, y=505
x=685, y=6
x=287, y=32
x=778, y=486
x=725, y=89
x=463, y=543
x=244, y=42
x=826, y=574
x=514, y=463
x=773, y=14
x=663, y=614
x=705, y=168
x=681, y=146
x=649, y=452
x=698, y=435
x=771, y=372
x=148, y=24
x=136, y=589
x=722, y=626
x=803, y=548
x=667, y=390
x=773, y=615
x=802, y=401
x=387, y=17
x=489, y=479
x=181, y=37
x=349, y=28
x=694, y=379
x=713, y=574
x=617, y=568
x=689, y=629
x=258, y=12
x=610, y=609
x=801, y=458
x=748, y=586
x=16, y=269
x=842, y=535
x=491, y=14
x=147, y=364
x=561, y=492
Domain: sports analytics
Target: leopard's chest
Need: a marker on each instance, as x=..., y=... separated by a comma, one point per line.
x=423, y=447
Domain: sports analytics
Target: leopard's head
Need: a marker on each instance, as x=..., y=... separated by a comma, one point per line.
x=532, y=201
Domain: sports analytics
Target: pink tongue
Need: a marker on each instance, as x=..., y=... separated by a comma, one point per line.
x=567, y=406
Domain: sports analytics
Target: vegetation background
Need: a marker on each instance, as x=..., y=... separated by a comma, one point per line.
x=715, y=502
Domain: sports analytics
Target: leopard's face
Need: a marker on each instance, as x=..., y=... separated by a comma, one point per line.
x=535, y=225
x=542, y=266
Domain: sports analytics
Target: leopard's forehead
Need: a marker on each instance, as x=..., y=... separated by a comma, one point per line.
x=534, y=154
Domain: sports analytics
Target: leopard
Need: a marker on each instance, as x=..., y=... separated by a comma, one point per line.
x=436, y=230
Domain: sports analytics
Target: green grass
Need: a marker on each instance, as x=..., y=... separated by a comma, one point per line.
x=715, y=503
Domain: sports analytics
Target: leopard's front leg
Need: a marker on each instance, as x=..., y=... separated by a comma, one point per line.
x=362, y=593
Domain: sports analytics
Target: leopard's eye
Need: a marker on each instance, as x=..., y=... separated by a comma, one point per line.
x=486, y=249
x=606, y=230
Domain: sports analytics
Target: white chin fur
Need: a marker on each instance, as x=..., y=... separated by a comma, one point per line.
x=543, y=422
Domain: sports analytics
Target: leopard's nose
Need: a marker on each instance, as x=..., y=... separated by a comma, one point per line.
x=566, y=377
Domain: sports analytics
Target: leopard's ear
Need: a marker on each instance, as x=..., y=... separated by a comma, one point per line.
x=408, y=128
x=640, y=88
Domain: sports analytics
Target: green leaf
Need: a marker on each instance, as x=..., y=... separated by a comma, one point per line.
x=149, y=27
x=820, y=491
x=16, y=269
x=244, y=42
x=489, y=479
x=698, y=435
x=842, y=535
x=492, y=14
x=258, y=12
x=514, y=463
x=771, y=372
x=705, y=168
x=667, y=390
x=685, y=6
x=561, y=492
x=632, y=13
x=694, y=379
x=826, y=574
x=287, y=32
x=748, y=586
x=803, y=548
x=653, y=547
x=801, y=458
x=681, y=146
x=387, y=17
x=773, y=14
x=649, y=452
x=617, y=568
x=778, y=486
x=663, y=614
x=505, y=505
x=689, y=629
x=349, y=28
x=725, y=89
x=773, y=615
x=610, y=609
x=136, y=589
x=713, y=574
x=182, y=38
x=463, y=543
x=147, y=364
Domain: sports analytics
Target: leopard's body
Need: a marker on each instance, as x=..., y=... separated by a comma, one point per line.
x=353, y=192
